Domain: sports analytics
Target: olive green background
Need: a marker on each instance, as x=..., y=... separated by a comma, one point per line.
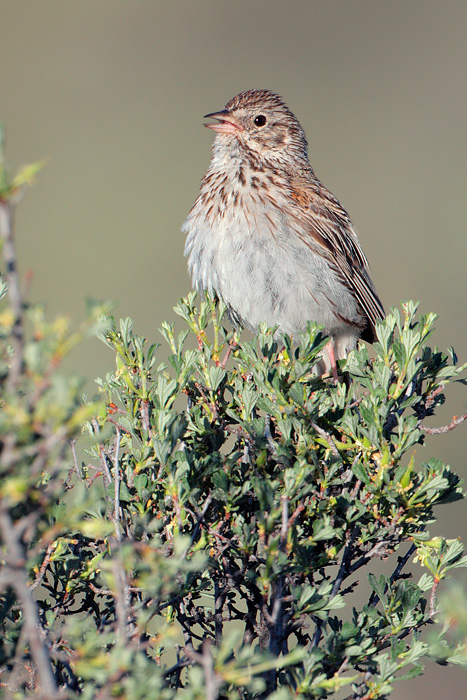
x=112, y=93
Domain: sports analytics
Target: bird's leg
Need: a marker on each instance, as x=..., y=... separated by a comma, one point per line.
x=332, y=360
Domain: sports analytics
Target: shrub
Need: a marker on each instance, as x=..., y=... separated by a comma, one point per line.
x=222, y=534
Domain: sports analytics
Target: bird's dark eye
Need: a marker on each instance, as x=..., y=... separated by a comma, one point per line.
x=260, y=120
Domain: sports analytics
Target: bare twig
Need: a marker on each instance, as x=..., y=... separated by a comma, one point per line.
x=106, y=475
x=199, y=519
x=18, y=672
x=117, y=425
x=176, y=668
x=275, y=619
x=361, y=690
x=145, y=414
x=299, y=509
x=344, y=571
x=17, y=579
x=187, y=629
x=457, y=420
x=122, y=592
x=284, y=522
x=118, y=534
x=430, y=399
x=344, y=568
x=219, y=598
x=121, y=597
x=315, y=640
x=232, y=345
x=267, y=434
x=44, y=565
x=7, y=208
x=75, y=459
x=376, y=551
x=343, y=666
x=355, y=489
x=37, y=450
x=432, y=605
x=205, y=660
x=401, y=562
x=329, y=439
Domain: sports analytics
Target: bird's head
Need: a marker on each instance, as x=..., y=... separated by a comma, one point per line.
x=260, y=122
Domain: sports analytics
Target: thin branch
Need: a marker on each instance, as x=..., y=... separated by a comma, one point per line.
x=116, y=517
x=107, y=477
x=121, y=596
x=344, y=568
x=426, y=409
x=199, y=519
x=355, y=489
x=315, y=640
x=145, y=415
x=267, y=434
x=44, y=566
x=17, y=579
x=361, y=690
x=75, y=459
x=117, y=425
x=343, y=666
x=122, y=593
x=344, y=571
x=206, y=661
x=284, y=522
x=432, y=605
x=176, y=667
x=457, y=420
x=276, y=617
x=187, y=628
x=232, y=345
x=376, y=551
x=18, y=672
x=11, y=457
x=299, y=509
x=14, y=291
x=329, y=439
x=219, y=598
x=401, y=562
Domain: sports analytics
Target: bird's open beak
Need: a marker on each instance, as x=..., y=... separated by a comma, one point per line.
x=227, y=124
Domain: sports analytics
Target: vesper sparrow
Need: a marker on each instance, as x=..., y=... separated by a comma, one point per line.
x=269, y=239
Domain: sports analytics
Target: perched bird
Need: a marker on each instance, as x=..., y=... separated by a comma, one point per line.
x=269, y=239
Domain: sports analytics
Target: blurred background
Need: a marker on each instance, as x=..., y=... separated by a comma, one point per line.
x=112, y=94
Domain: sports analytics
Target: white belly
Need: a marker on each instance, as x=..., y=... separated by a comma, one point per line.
x=265, y=272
